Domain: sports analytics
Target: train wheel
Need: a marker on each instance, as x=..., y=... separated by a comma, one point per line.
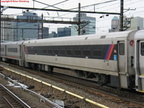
x=103, y=79
x=50, y=69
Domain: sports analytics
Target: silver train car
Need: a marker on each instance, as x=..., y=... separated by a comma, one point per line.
x=115, y=59
x=12, y=52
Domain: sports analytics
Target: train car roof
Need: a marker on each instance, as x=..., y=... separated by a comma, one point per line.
x=12, y=42
x=139, y=35
x=81, y=37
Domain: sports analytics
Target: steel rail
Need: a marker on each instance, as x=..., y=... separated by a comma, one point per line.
x=21, y=102
x=60, y=89
x=8, y=102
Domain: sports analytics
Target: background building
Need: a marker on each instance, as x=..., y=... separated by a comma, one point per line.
x=7, y=30
x=134, y=23
x=29, y=30
x=15, y=31
x=45, y=32
x=61, y=32
x=88, y=28
x=53, y=35
x=137, y=23
x=115, y=24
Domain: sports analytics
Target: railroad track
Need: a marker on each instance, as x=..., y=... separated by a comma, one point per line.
x=10, y=99
x=111, y=94
x=119, y=96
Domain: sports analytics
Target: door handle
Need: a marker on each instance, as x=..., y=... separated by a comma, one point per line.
x=132, y=61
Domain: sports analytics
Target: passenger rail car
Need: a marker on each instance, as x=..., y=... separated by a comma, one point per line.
x=12, y=52
x=114, y=59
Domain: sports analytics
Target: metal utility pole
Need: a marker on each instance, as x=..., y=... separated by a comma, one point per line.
x=42, y=27
x=0, y=30
x=22, y=33
x=121, y=14
x=79, y=19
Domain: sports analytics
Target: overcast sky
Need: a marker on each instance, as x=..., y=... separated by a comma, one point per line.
x=136, y=8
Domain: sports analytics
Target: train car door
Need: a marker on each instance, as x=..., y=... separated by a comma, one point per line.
x=5, y=52
x=141, y=57
x=121, y=47
x=122, y=65
x=141, y=65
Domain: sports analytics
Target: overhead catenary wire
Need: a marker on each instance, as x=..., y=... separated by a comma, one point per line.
x=47, y=4
x=103, y=7
x=70, y=13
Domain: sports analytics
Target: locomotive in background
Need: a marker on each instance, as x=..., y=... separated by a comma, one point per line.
x=115, y=59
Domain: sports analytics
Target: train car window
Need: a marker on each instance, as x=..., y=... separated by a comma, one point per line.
x=41, y=52
x=30, y=50
x=69, y=52
x=50, y=52
x=2, y=49
x=142, y=48
x=87, y=53
x=45, y=51
x=9, y=50
x=56, y=52
x=97, y=53
x=121, y=49
x=15, y=50
x=62, y=52
x=35, y=51
x=12, y=49
x=77, y=52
